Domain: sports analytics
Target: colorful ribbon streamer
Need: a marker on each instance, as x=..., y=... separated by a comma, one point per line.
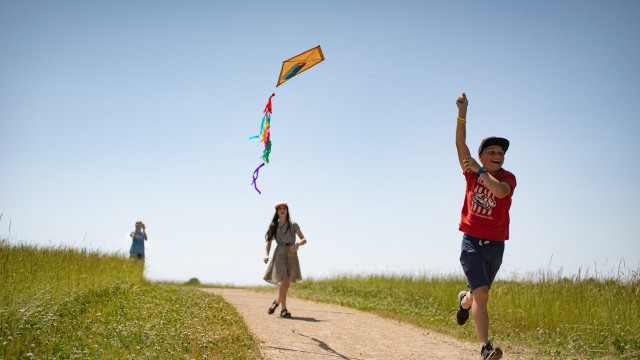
x=264, y=137
x=261, y=128
x=255, y=177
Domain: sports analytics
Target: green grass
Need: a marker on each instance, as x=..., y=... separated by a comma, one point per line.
x=545, y=314
x=30, y=276
x=60, y=303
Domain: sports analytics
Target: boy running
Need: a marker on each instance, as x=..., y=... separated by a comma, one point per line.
x=485, y=224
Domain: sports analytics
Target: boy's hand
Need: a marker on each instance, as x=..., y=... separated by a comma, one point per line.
x=462, y=101
x=462, y=104
x=470, y=165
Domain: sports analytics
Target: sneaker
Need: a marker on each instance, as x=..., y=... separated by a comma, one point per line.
x=462, y=314
x=488, y=352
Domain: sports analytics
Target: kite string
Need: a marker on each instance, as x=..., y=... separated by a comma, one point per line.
x=387, y=79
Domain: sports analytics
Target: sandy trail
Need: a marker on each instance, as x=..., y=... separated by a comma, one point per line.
x=322, y=331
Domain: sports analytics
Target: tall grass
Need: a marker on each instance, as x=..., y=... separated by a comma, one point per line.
x=32, y=277
x=65, y=303
x=551, y=315
x=594, y=316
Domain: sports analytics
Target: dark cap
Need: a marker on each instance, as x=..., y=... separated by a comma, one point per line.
x=492, y=140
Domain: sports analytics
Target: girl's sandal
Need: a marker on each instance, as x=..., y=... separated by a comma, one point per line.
x=273, y=307
x=285, y=314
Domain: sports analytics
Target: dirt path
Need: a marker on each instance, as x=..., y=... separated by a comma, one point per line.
x=320, y=331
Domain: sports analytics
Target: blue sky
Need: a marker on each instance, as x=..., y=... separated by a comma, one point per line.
x=116, y=111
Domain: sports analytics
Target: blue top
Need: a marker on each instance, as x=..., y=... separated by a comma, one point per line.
x=137, y=246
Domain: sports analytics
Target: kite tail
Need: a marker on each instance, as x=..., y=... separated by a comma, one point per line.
x=266, y=129
x=267, y=151
x=261, y=128
x=268, y=107
x=256, y=172
x=264, y=137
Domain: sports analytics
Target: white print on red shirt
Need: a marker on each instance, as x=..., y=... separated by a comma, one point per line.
x=483, y=200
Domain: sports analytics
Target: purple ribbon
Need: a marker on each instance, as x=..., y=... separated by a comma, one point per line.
x=255, y=177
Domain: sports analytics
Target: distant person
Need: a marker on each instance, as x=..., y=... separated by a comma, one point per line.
x=137, y=245
x=485, y=224
x=284, y=267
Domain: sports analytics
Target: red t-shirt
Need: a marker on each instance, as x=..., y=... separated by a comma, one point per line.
x=483, y=215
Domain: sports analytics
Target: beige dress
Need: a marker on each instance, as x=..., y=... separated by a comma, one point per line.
x=284, y=264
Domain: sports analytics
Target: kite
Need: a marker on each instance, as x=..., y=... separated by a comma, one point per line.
x=299, y=64
x=290, y=68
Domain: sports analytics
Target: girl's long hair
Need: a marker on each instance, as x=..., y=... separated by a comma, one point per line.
x=273, y=227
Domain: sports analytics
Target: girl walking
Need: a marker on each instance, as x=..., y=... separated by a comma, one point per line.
x=284, y=267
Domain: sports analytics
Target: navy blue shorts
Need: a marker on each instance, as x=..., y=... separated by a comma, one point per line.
x=480, y=260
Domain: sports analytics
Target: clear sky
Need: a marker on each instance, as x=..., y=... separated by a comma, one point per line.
x=116, y=111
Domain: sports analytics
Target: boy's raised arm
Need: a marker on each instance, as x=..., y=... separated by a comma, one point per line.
x=461, y=130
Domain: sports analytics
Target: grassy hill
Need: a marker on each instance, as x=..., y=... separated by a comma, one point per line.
x=64, y=303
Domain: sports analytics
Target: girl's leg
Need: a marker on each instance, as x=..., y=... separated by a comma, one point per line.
x=282, y=296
